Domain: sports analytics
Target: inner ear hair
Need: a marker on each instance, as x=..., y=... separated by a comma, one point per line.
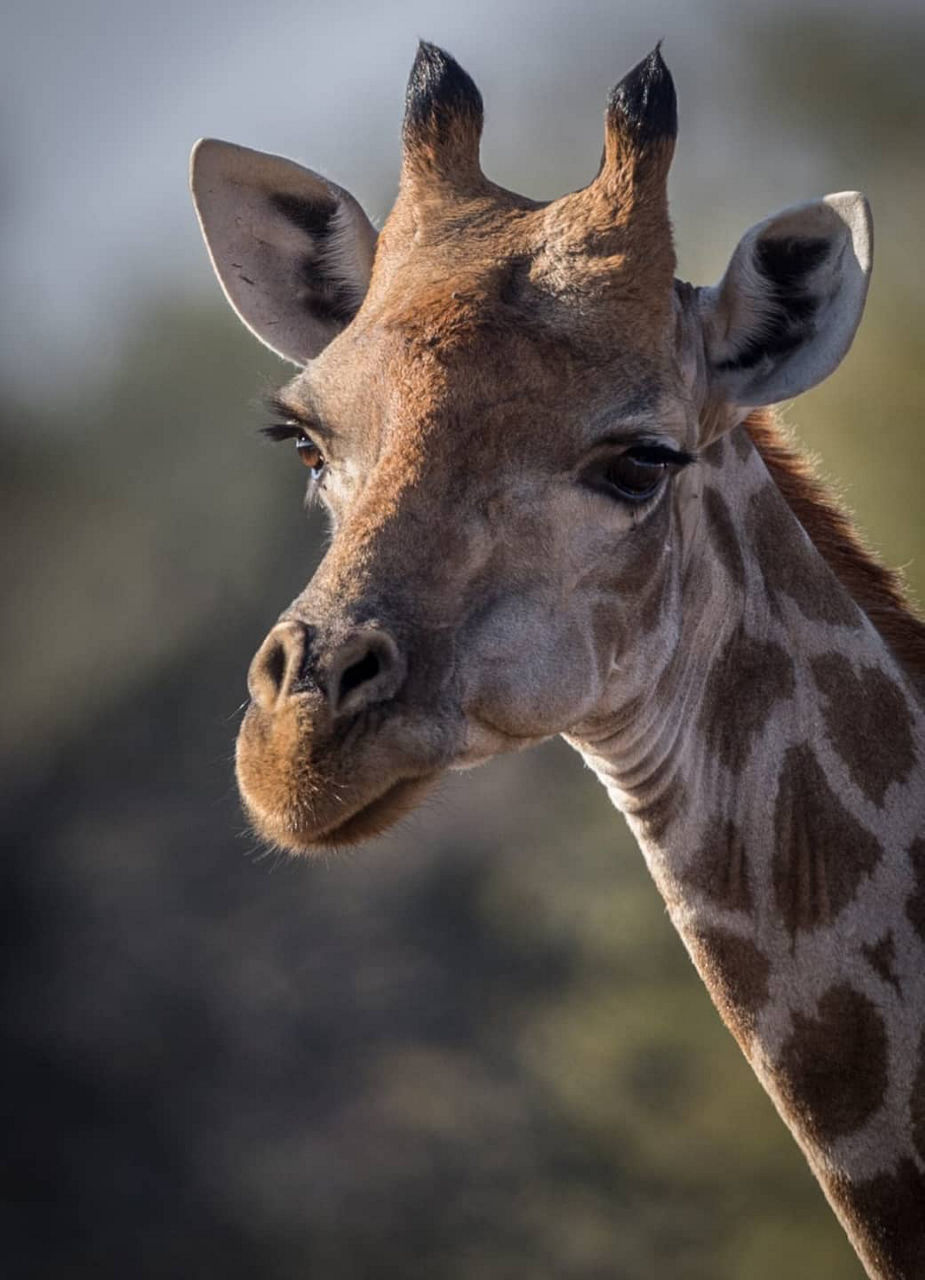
x=785, y=313
x=784, y=302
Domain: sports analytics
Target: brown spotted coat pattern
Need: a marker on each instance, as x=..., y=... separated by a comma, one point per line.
x=801, y=890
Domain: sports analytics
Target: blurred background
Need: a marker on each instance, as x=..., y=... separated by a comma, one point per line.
x=474, y=1048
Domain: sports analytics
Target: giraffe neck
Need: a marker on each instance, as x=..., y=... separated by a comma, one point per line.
x=774, y=780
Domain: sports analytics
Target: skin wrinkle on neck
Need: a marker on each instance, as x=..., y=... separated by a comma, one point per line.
x=658, y=729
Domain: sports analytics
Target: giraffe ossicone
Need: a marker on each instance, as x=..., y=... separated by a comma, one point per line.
x=561, y=506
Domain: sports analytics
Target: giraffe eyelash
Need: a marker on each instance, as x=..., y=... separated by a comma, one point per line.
x=662, y=453
x=279, y=431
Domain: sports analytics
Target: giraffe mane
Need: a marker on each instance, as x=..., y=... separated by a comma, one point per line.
x=879, y=591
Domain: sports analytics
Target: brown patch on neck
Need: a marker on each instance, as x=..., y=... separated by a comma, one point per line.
x=833, y=1067
x=736, y=974
x=861, y=710
x=821, y=852
x=719, y=868
x=885, y=1220
x=881, y=957
x=790, y=567
x=915, y=904
x=917, y=1103
x=877, y=590
x=744, y=685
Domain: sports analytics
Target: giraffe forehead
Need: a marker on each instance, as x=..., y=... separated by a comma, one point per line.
x=454, y=267
x=468, y=315
x=453, y=365
x=473, y=315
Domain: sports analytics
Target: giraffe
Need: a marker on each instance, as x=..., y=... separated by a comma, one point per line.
x=561, y=504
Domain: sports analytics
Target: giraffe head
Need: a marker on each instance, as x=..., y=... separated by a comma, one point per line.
x=500, y=403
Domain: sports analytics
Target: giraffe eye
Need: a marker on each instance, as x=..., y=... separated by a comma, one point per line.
x=635, y=475
x=310, y=455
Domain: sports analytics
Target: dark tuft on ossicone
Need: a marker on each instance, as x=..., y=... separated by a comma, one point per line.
x=644, y=102
x=440, y=95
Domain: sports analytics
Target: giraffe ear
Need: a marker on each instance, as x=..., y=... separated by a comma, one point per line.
x=292, y=251
x=784, y=315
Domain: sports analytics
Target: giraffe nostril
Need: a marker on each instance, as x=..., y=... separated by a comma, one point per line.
x=367, y=668
x=276, y=664
x=358, y=673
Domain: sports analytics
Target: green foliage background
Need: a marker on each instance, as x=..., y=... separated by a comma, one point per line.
x=475, y=1048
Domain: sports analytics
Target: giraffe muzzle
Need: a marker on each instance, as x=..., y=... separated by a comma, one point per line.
x=330, y=751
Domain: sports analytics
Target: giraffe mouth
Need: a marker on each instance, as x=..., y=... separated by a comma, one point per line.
x=306, y=786
x=295, y=830
x=376, y=816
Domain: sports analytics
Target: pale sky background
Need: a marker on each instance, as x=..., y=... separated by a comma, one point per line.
x=102, y=100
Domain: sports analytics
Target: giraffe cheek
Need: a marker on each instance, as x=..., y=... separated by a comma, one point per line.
x=526, y=678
